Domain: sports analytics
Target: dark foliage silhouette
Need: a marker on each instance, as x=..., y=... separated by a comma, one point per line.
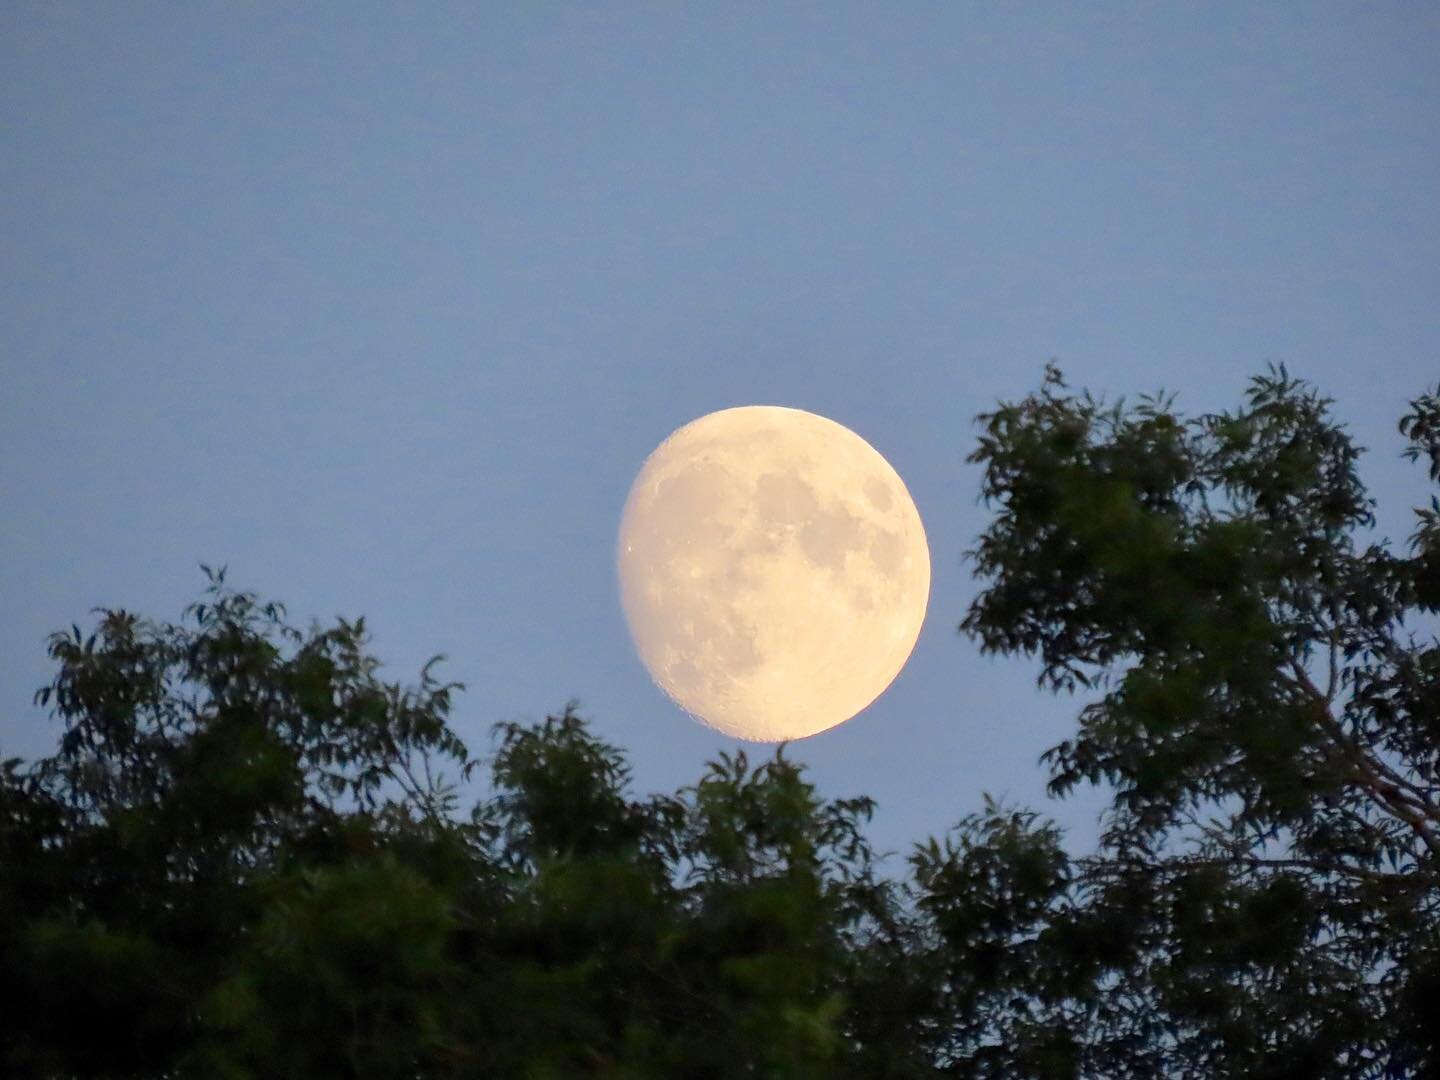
x=248, y=855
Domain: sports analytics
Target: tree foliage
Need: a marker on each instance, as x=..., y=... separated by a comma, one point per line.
x=1268, y=726
x=248, y=855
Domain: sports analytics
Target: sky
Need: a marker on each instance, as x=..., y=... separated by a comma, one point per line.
x=383, y=307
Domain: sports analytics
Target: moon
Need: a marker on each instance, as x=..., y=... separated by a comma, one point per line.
x=773, y=571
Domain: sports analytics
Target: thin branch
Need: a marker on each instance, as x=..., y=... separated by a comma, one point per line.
x=1396, y=794
x=1333, y=685
x=1255, y=862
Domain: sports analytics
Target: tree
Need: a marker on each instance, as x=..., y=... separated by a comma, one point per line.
x=709, y=933
x=212, y=781
x=1266, y=898
x=243, y=862
x=245, y=858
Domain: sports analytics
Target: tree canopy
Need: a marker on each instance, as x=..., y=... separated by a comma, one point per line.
x=1266, y=896
x=248, y=855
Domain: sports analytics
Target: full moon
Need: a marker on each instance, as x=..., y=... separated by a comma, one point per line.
x=773, y=571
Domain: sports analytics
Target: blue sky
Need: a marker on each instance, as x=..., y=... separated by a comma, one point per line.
x=384, y=307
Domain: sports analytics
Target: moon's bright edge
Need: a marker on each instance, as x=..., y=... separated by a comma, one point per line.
x=773, y=571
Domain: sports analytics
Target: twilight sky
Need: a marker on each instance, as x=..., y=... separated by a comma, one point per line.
x=384, y=307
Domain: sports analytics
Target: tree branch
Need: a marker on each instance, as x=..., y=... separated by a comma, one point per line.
x=1255, y=862
x=1397, y=795
x=1333, y=684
